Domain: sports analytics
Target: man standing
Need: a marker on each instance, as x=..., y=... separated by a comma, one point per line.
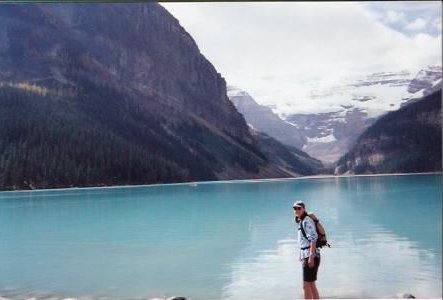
x=309, y=253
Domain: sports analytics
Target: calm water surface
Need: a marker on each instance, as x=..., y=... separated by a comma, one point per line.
x=222, y=240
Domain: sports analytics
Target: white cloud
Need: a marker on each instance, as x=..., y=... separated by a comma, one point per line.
x=405, y=6
x=417, y=25
x=277, y=51
x=393, y=17
x=410, y=17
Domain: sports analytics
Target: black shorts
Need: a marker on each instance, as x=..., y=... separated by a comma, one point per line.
x=310, y=274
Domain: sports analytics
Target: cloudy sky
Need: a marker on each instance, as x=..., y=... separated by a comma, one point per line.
x=281, y=50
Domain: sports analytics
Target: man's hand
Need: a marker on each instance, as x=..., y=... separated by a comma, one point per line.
x=311, y=261
x=311, y=254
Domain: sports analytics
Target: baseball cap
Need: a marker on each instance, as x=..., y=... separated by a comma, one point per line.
x=298, y=203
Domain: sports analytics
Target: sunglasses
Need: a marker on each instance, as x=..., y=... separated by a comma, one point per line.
x=297, y=208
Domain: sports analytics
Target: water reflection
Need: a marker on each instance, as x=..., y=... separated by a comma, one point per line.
x=386, y=233
x=229, y=241
x=351, y=269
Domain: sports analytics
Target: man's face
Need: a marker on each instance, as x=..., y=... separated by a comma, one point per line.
x=298, y=210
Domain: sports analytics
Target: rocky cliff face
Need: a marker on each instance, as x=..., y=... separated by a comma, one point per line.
x=265, y=120
x=407, y=140
x=123, y=92
x=137, y=47
x=329, y=135
x=278, y=139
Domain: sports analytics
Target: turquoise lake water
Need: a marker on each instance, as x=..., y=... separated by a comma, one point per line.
x=222, y=240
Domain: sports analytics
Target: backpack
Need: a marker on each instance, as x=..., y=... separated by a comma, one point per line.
x=321, y=241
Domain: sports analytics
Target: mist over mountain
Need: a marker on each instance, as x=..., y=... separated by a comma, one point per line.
x=96, y=94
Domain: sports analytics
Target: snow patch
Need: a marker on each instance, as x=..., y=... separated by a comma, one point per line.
x=324, y=139
x=293, y=124
x=233, y=91
x=376, y=93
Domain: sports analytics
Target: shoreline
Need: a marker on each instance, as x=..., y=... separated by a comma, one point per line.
x=231, y=181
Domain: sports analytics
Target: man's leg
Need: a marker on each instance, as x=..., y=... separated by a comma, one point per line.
x=307, y=288
x=313, y=285
x=314, y=291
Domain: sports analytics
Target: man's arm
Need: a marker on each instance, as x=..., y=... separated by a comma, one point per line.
x=312, y=236
x=311, y=254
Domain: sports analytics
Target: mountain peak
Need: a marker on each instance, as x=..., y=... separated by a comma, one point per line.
x=138, y=101
x=425, y=80
x=234, y=91
x=264, y=119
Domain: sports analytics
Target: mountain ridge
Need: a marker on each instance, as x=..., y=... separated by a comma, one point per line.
x=354, y=105
x=114, y=94
x=264, y=119
x=404, y=141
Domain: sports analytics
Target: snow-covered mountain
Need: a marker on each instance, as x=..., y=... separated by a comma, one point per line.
x=426, y=80
x=329, y=120
x=375, y=93
x=345, y=111
x=278, y=140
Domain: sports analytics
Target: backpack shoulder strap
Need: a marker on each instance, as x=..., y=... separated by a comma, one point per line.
x=303, y=229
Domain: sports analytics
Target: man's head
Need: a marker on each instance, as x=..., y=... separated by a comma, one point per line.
x=299, y=208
